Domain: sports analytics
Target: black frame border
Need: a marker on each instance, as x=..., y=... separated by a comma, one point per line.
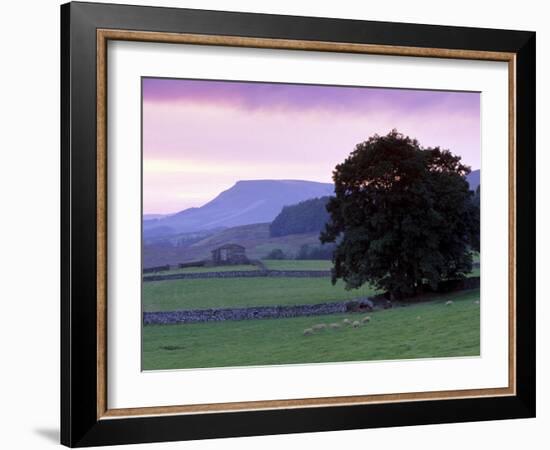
x=79, y=423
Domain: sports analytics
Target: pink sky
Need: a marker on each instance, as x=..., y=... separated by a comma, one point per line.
x=201, y=137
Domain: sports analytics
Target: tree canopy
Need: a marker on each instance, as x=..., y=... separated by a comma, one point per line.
x=402, y=215
x=304, y=217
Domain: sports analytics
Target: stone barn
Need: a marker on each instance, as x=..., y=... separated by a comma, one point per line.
x=229, y=254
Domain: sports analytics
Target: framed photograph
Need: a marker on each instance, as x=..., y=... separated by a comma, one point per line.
x=276, y=224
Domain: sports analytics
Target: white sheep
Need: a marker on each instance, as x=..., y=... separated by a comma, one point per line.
x=334, y=325
x=449, y=302
x=319, y=326
x=477, y=302
x=346, y=322
x=308, y=331
x=365, y=319
x=356, y=324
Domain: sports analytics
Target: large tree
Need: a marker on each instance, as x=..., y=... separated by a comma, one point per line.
x=402, y=215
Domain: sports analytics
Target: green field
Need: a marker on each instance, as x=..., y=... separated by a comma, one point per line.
x=239, y=292
x=425, y=330
x=295, y=264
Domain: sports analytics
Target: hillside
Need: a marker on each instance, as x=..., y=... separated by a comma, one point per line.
x=192, y=234
x=255, y=238
x=247, y=202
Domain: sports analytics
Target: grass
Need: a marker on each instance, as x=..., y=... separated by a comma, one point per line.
x=239, y=292
x=293, y=264
x=246, y=267
x=425, y=330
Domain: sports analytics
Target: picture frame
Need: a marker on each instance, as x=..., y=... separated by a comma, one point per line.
x=86, y=29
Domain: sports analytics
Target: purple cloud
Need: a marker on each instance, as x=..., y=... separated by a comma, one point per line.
x=200, y=137
x=280, y=96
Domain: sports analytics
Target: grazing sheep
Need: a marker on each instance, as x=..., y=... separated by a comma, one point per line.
x=477, y=302
x=356, y=324
x=308, y=331
x=334, y=325
x=365, y=319
x=346, y=322
x=449, y=302
x=418, y=317
x=319, y=326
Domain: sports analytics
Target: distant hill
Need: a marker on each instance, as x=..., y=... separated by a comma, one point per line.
x=291, y=233
x=153, y=216
x=473, y=179
x=247, y=202
x=253, y=202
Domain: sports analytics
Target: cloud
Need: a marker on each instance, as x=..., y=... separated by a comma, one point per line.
x=255, y=96
x=199, y=137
